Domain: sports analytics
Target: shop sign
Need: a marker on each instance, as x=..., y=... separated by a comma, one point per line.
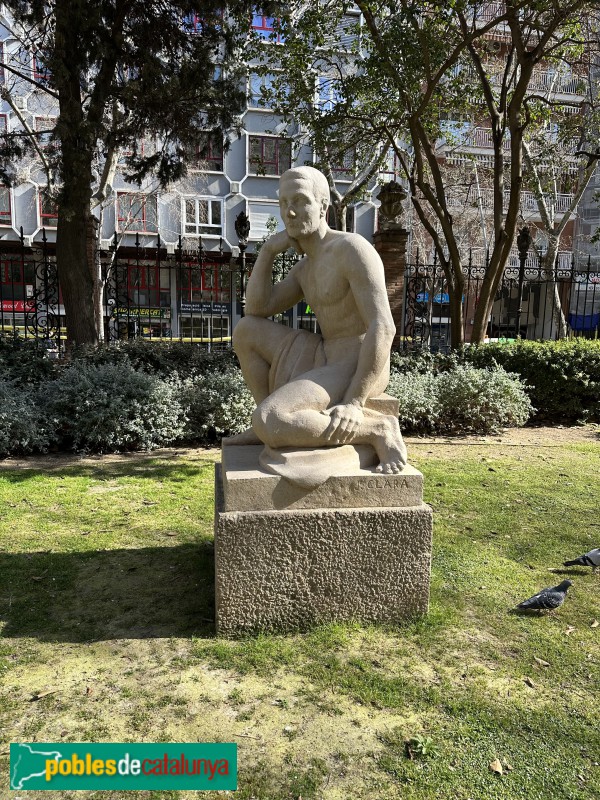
x=160, y=313
x=204, y=308
x=17, y=305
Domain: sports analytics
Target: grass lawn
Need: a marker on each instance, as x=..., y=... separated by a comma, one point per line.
x=107, y=601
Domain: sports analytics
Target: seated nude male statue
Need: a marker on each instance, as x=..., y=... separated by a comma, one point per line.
x=311, y=389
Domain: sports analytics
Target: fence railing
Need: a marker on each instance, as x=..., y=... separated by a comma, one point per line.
x=532, y=302
x=198, y=296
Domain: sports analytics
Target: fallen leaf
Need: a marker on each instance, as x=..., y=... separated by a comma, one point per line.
x=507, y=766
x=541, y=662
x=529, y=682
x=496, y=767
x=170, y=533
x=149, y=503
x=39, y=695
x=595, y=624
x=569, y=630
x=39, y=577
x=88, y=690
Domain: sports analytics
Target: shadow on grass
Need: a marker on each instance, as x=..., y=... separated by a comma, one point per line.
x=147, y=465
x=151, y=592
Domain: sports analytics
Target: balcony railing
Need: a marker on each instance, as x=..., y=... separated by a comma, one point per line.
x=482, y=137
x=548, y=81
x=485, y=199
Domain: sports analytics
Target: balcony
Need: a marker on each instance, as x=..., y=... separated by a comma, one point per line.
x=485, y=199
x=548, y=81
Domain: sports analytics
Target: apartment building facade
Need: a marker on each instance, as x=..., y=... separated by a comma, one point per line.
x=172, y=255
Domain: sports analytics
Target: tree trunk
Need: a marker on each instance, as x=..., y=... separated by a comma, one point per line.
x=457, y=322
x=555, y=324
x=93, y=255
x=76, y=277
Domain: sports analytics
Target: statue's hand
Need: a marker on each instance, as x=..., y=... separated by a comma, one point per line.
x=345, y=422
x=281, y=242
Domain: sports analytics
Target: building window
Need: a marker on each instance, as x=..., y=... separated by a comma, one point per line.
x=48, y=211
x=5, y=209
x=17, y=280
x=390, y=169
x=203, y=216
x=199, y=23
x=44, y=127
x=343, y=165
x=261, y=219
x=137, y=213
x=260, y=87
x=202, y=283
x=268, y=28
x=328, y=93
x=40, y=72
x=269, y=156
x=143, y=285
x=208, y=155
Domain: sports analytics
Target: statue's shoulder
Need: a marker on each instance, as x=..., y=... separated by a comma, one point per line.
x=355, y=249
x=344, y=240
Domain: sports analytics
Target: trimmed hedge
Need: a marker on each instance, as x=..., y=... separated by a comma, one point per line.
x=461, y=400
x=562, y=379
x=142, y=394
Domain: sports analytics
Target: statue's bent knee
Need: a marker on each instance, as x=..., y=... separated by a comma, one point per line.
x=265, y=422
x=241, y=333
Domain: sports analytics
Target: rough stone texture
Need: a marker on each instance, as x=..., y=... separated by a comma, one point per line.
x=288, y=570
x=249, y=488
x=384, y=404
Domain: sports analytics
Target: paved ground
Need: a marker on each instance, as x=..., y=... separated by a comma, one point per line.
x=546, y=436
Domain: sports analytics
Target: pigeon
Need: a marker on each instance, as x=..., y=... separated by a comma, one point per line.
x=591, y=559
x=548, y=599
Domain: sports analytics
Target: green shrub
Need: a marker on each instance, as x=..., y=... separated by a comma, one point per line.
x=162, y=358
x=23, y=424
x=25, y=362
x=562, y=378
x=419, y=405
x=462, y=400
x=217, y=404
x=111, y=407
x=481, y=400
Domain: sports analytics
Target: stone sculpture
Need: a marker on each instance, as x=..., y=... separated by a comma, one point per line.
x=312, y=390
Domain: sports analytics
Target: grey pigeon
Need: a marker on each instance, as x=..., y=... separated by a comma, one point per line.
x=548, y=599
x=591, y=559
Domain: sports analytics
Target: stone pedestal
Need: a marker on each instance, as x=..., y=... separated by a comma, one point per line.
x=356, y=548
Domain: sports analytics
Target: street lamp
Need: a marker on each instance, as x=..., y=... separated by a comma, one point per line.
x=242, y=230
x=523, y=245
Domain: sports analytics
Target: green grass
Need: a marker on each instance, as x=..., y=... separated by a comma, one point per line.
x=106, y=597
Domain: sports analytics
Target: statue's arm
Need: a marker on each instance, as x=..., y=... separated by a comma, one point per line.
x=367, y=280
x=263, y=297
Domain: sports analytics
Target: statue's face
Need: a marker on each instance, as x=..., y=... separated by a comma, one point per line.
x=301, y=211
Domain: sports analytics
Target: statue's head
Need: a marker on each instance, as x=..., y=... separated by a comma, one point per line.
x=303, y=200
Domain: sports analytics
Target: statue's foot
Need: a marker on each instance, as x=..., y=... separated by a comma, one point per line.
x=390, y=448
x=245, y=437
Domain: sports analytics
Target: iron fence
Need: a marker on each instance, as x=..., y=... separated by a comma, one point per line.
x=197, y=296
x=532, y=302
x=153, y=292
